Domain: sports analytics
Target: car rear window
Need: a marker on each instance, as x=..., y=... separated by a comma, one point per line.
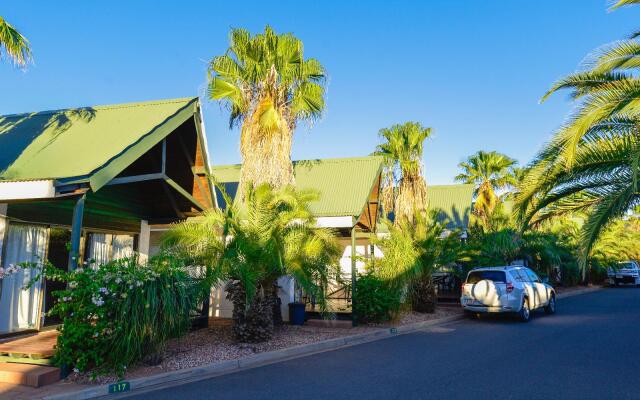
x=477, y=276
x=624, y=265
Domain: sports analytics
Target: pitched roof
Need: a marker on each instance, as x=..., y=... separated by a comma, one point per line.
x=91, y=143
x=453, y=203
x=344, y=184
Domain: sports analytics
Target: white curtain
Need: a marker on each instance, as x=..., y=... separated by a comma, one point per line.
x=19, y=309
x=99, y=248
x=105, y=247
x=122, y=246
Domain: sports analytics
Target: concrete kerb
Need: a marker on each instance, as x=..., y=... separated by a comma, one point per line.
x=174, y=378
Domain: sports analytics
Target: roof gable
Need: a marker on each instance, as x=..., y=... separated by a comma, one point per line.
x=452, y=202
x=344, y=184
x=79, y=142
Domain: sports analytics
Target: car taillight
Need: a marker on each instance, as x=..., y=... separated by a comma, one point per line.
x=462, y=287
x=509, y=287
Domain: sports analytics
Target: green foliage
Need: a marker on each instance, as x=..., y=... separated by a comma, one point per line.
x=489, y=172
x=412, y=252
x=402, y=150
x=271, y=234
x=267, y=68
x=13, y=45
x=119, y=313
x=592, y=164
x=376, y=300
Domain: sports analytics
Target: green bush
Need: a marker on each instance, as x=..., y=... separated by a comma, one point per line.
x=375, y=300
x=119, y=313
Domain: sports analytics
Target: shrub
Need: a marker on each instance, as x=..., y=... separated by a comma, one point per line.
x=121, y=312
x=375, y=299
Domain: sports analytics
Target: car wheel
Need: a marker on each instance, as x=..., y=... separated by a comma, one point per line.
x=470, y=314
x=551, y=307
x=525, y=312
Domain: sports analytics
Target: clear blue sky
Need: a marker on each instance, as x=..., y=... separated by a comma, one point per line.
x=472, y=70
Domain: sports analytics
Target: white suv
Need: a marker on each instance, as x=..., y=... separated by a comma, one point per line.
x=506, y=290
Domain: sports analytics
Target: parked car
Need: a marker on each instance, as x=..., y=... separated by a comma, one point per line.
x=511, y=289
x=625, y=272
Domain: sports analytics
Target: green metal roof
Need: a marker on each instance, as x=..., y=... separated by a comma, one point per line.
x=90, y=143
x=453, y=203
x=344, y=184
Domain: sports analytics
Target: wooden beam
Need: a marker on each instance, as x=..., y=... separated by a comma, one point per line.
x=137, y=178
x=184, y=193
x=190, y=160
x=172, y=200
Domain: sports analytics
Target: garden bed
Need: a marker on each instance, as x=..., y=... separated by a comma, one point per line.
x=215, y=344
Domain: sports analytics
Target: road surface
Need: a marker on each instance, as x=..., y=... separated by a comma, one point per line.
x=589, y=350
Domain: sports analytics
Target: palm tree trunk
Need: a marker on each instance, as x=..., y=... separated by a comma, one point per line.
x=266, y=157
x=252, y=323
x=412, y=198
x=423, y=295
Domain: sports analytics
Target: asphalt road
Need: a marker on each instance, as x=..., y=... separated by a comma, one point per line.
x=589, y=350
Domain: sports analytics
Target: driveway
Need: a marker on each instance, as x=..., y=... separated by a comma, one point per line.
x=589, y=349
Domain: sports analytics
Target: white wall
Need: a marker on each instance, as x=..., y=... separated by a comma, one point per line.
x=144, y=241
x=3, y=226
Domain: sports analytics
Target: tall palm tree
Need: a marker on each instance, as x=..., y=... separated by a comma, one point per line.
x=13, y=45
x=593, y=162
x=268, y=87
x=403, y=149
x=490, y=172
x=271, y=234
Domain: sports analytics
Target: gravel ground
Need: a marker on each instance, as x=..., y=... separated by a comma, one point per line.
x=210, y=345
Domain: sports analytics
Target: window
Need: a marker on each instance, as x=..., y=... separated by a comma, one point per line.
x=532, y=276
x=520, y=275
x=495, y=276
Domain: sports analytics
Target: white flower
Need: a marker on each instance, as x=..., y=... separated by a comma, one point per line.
x=103, y=290
x=79, y=270
x=123, y=295
x=97, y=300
x=118, y=280
x=73, y=284
x=76, y=370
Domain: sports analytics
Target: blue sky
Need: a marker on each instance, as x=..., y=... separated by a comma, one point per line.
x=472, y=70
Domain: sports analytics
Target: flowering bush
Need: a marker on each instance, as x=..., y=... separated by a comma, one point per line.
x=121, y=312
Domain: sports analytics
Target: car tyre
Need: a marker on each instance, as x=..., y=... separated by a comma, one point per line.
x=524, y=314
x=551, y=307
x=470, y=314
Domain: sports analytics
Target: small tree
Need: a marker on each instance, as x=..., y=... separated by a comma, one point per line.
x=412, y=252
x=271, y=234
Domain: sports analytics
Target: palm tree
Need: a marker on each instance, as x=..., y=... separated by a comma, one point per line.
x=412, y=252
x=593, y=162
x=402, y=150
x=621, y=3
x=268, y=87
x=490, y=172
x=272, y=235
x=13, y=45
